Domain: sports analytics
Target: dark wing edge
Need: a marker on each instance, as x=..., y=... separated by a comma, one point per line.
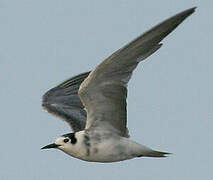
x=64, y=102
x=151, y=37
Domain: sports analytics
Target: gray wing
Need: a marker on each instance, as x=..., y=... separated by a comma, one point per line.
x=104, y=91
x=63, y=101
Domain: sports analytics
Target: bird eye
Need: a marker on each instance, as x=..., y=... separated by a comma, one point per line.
x=66, y=140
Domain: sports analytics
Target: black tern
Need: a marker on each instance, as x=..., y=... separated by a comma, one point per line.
x=94, y=103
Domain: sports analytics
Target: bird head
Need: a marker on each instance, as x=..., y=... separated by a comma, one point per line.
x=64, y=142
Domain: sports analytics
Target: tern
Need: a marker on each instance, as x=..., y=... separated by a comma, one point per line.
x=94, y=103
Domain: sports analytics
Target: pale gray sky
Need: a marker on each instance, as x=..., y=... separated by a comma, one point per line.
x=44, y=42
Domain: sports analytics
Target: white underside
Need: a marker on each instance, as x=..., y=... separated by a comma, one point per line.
x=111, y=149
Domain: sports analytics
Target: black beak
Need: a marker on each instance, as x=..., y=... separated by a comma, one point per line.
x=50, y=146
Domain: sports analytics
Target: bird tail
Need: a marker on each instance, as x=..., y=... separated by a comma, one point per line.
x=148, y=152
x=153, y=153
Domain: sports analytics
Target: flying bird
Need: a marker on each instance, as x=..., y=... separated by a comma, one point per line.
x=94, y=103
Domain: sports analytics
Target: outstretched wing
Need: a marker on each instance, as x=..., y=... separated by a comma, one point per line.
x=104, y=91
x=63, y=101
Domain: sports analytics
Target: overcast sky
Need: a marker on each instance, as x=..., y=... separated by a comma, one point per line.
x=170, y=104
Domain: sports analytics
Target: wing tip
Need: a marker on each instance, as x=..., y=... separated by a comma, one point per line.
x=194, y=8
x=190, y=10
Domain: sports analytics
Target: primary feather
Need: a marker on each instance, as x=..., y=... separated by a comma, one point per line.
x=63, y=101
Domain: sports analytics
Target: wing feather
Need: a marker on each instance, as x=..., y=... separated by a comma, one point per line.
x=63, y=101
x=104, y=91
